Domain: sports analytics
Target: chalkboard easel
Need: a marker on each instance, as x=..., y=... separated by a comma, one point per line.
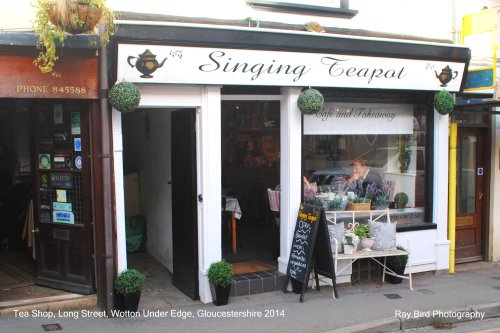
x=310, y=243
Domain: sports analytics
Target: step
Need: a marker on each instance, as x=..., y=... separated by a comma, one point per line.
x=256, y=283
x=64, y=302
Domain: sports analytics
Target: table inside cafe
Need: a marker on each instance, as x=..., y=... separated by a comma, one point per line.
x=232, y=205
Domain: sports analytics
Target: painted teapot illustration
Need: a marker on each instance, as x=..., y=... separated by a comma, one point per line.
x=146, y=63
x=446, y=75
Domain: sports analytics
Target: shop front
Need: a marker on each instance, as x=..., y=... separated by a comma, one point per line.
x=47, y=192
x=239, y=87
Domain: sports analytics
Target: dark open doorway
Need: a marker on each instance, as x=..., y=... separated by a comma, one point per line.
x=250, y=166
x=160, y=201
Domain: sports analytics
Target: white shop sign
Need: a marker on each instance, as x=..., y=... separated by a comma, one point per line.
x=360, y=118
x=199, y=65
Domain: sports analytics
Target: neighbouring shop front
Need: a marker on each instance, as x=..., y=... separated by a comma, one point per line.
x=238, y=90
x=47, y=138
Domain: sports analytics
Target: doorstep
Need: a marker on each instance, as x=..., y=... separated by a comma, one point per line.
x=64, y=302
x=257, y=283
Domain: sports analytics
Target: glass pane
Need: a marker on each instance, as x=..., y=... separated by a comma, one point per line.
x=466, y=174
x=387, y=169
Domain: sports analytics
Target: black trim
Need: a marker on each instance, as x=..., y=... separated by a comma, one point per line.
x=29, y=39
x=282, y=41
x=415, y=227
x=295, y=8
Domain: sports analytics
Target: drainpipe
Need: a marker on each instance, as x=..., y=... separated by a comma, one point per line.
x=105, y=254
x=452, y=194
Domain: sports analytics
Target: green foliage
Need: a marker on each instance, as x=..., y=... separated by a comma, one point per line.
x=444, y=102
x=125, y=96
x=397, y=261
x=382, y=200
x=401, y=200
x=315, y=202
x=310, y=101
x=47, y=33
x=220, y=273
x=129, y=281
x=363, y=231
x=336, y=204
x=359, y=200
x=348, y=240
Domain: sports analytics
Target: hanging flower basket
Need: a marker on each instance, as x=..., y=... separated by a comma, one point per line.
x=77, y=18
x=125, y=97
x=310, y=101
x=444, y=102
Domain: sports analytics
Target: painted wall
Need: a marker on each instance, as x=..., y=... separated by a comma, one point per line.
x=146, y=149
x=425, y=18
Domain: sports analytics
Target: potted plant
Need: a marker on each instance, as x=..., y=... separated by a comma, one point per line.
x=363, y=232
x=401, y=200
x=337, y=204
x=359, y=203
x=220, y=275
x=128, y=285
x=124, y=96
x=397, y=264
x=404, y=157
x=381, y=202
x=55, y=17
x=350, y=243
x=310, y=101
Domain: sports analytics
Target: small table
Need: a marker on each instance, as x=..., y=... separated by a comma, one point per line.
x=374, y=255
x=233, y=206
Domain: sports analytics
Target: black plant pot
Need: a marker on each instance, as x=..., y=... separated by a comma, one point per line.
x=399, y=269
x=221, y=295
x=296, y=286
x=131, y=301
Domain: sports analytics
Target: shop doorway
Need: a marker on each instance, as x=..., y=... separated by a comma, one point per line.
x=161, y=199
x=472, y=174
x=46, y=229
x=250, y=166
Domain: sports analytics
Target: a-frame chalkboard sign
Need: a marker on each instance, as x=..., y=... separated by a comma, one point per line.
x=310, y=243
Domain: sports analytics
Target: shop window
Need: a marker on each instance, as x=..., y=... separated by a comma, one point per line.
x=371, y=150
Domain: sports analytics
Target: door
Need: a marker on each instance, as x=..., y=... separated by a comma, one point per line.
x=184, y=202
x=471, y=171
x=63, y=204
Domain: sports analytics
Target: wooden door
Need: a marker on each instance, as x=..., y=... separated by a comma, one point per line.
x=471, y=182
x=63, y=204
x=184, y=202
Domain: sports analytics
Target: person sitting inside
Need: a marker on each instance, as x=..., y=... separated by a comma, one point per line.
x=361, y=177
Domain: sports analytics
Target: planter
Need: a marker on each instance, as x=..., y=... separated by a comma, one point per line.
x=400, y=270
x=367, y=243
x=296, y=286
x=381, y=206
x=129, y=302
x=78, y=18
x=220, y=294
x=360, y=206
x=349, y=249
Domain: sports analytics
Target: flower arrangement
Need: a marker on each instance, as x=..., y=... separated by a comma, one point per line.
x=337, y=204
x=310, y=101
x=359, y=200
x=444, y=102
x=372, y=190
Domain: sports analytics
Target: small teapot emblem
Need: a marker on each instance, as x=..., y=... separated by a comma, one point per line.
x=146, y=63
x=446, y=75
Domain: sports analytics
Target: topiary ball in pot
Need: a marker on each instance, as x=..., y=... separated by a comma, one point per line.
x=310, y=101
x=125, y=96
x=444, y=102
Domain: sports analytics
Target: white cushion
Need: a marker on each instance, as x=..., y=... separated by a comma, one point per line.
x=384, y=234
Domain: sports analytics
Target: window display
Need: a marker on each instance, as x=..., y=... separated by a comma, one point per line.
x=369, y=154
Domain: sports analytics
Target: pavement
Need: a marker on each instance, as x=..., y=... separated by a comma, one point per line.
x=473, y=292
